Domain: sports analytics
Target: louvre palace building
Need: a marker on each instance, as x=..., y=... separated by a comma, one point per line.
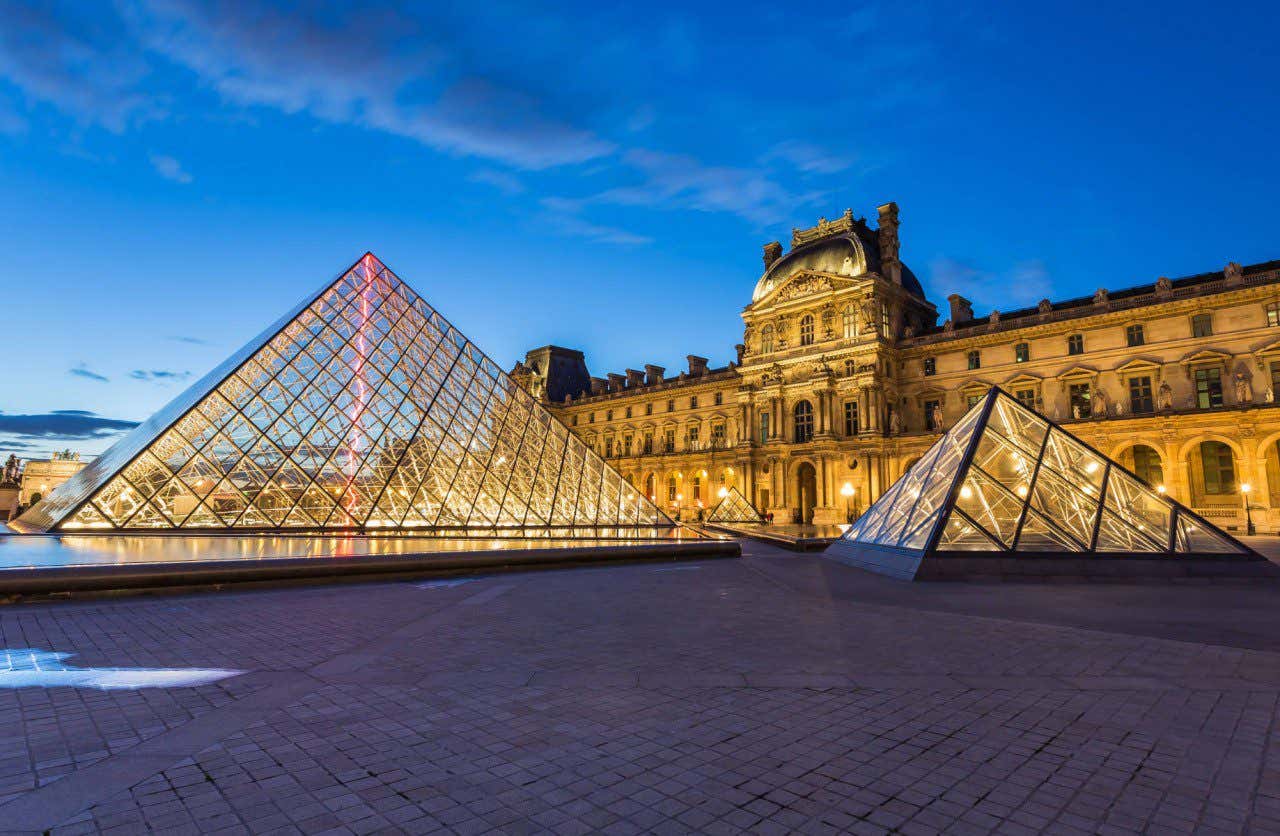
x=846, y=374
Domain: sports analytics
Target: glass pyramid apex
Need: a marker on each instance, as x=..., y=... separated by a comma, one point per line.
x=1008, y=481
x=362, y=408
x=734, y=508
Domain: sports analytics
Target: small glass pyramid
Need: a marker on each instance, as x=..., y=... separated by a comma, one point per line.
x=734, y=508
x=1006, y=480
x=362, y=408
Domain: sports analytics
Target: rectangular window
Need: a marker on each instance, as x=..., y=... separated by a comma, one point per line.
x=850, y=367
x=628, y=412
x=1208, y=388
x=1135, y=335
x=1273, y=314
x=931, y=409
x=648, y=443
x=1026, y=397
x=1141, y=396
x=850, y=418
x=1021, y=353
x=1081, y=399
x=1219, y=468
x=719, y=398
x=717, y=435
x=575, y=420
x=591, y=419
x=1075, y=344
x=1202, y=325
x=975, y=360
x=648, y=408
x=671, y=406
x=626, y=445
x=608, y=448
x=669, y=441
x=608, y=415
x=930, y=366
x=691, y=437
x=764, y=427
x=1275, y=376
x=970, y=400
x=693, y=402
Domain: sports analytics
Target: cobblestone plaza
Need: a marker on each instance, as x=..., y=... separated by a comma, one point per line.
x=775, y=693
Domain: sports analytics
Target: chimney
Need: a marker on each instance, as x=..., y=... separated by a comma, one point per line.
x=697, y=365
x=598, y=386
x=635, y=377
x=772, y=252
x=653, y=374
x=890, y=266
x=961, y=309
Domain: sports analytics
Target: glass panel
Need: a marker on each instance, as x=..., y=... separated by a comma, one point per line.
x=1194, y=536
x=989, y=505
x=1116, y=535
x=1018, y=424
x=1071, y=508
x=1040, y=535
x=1139, y=506
x=1073, y=461
x=960, y=534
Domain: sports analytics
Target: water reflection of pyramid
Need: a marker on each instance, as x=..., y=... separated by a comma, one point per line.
x=734, y=508
x=1007, y=482
x=361, y=408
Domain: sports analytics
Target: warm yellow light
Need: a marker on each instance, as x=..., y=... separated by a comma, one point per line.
x=1161, y=489
x=723, y=492
x=965, y=493
x=729, y=471
x=651, y=498
x=679, y=497
x=846, y=489
x=703, y=474
x=1022, y=491
x=1090, y=467
x=1245, y=487
x=502, y=460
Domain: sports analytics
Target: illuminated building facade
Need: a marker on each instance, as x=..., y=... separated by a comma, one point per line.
x=847, y=374
x=362, y=408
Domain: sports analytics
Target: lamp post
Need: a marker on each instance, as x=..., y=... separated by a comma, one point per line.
x=1245, y=487
x=846, y=490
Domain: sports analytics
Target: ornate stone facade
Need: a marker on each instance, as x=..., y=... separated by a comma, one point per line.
x=845, y=376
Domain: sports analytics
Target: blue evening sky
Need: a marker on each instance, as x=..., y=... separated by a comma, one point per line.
x=174, y=174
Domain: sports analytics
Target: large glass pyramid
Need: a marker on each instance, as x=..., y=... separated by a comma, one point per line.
x=1007, y=481
x=734, y=508
x=362, y=408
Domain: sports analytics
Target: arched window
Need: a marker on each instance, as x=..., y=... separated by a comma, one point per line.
x=849, y=319
x=1219, y=468
x=804, y=422
x=806, y=329
x=1147, y=466
x=766, y=339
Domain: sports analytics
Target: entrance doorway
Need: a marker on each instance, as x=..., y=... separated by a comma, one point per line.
x=806, y=491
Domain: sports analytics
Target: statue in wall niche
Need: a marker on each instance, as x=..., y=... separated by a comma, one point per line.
x=1244, y=389
x=1270, y=395
x=1075, y=411
x=1045, y=306
x=1165, y=396
x=1056, y=413
x=938, y=420
x=1119, y=409
x=895, y=422
x=1099, y=405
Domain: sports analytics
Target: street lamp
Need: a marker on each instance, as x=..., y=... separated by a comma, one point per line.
x=846, y=490
x=723, y=492
x=1245, y=487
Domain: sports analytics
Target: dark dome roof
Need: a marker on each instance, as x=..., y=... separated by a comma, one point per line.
x=849, y=255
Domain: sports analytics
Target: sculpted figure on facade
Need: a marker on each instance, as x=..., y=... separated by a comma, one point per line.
x=869, y=319
x=1098, y=409
x=948, y=326
x=939, y=423
x=1244, y=389
x=1045, y=306
x=11, y=470
x=1164, y=286
x=1233, y=273
x=994, y=317
x=1165, y=396
x=1100, y=297
x=1270, y=395
x=895, y=422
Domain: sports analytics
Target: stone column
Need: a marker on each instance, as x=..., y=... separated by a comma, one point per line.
x=864, y=410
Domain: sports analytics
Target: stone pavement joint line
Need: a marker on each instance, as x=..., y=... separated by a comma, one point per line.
x=803, y=697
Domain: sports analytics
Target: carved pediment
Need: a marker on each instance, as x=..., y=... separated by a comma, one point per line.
x=1271, y=349
x=1079, y=373
x=802, y=285
x=1138, y=365
x=1023, y=379
x=1205, y=357
x=975, y=386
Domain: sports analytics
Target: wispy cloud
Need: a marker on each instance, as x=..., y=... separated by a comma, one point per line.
x=1023, y=284
x=64, y=424
x=563, y=215
x=503, y=181
x=182, y=338
x=83, y=371
x=806, y=158
x=161, y=376
x=169, y=168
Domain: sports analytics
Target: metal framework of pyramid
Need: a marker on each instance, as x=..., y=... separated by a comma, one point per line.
x=362, y=408
x=1007, y=481
x=734, y=508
